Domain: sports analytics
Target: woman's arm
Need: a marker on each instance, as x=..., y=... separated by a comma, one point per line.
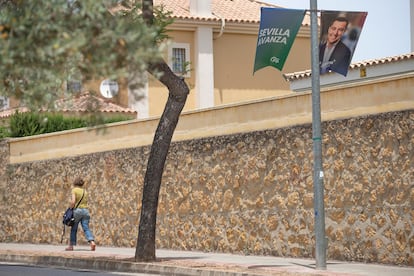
x=72, y=200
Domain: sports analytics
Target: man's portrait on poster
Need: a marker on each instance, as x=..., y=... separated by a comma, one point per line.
x=339, y=36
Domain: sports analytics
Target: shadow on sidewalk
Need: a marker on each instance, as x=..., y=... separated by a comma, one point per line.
x=313, y=265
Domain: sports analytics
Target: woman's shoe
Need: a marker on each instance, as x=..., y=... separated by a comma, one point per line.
x=93, y=246
x=69, y=248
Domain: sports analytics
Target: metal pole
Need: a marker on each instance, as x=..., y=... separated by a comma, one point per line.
x=320, y=250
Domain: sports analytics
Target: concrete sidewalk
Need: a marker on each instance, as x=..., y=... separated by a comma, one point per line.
x=184, y=262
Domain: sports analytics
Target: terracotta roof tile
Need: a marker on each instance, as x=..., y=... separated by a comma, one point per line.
x=237, y=11
x=80, y=103
x=8, y=112
x=372, y=62
x=83, y=102
x=367, y=63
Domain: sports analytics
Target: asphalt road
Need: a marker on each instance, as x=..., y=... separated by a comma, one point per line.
x=25, y=270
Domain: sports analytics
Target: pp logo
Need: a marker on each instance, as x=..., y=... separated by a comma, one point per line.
x=274, y=60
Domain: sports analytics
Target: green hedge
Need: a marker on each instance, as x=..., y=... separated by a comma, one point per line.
x=34, y=123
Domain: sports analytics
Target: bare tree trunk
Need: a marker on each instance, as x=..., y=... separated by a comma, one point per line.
x=178, y=91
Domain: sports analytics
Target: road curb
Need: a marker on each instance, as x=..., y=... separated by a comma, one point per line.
x=112, y=265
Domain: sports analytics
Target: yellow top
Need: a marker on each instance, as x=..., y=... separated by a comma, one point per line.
x=78, y=194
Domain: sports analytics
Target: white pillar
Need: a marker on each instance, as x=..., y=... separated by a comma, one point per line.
x=138, y=95
x=204, y=67
x=200, y=7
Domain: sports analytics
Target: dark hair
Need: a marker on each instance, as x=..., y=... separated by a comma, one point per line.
x=78, y=182
x=340, y=19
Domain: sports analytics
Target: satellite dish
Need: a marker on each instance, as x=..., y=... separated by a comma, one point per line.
x=109, y=88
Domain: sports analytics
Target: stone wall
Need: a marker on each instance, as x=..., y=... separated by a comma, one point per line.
x=250, y=193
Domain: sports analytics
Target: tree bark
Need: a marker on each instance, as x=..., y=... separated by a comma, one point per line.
x=178, y=91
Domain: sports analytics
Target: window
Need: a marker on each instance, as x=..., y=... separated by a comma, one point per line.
x=4, y=103
x=73, y=86
x=179, y=58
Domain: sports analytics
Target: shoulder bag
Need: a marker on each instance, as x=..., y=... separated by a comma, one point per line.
x=68, y=218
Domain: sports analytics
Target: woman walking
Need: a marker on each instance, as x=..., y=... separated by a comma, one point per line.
x=79, y=201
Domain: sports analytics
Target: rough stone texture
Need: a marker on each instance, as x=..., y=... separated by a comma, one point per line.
x=248, y=193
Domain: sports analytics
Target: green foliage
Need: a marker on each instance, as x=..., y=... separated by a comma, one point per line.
x=4, y=132
x=45, y=43
x=162, y=18
x=33, y=123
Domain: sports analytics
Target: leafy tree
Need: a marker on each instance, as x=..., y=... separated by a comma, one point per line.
x=45, y=43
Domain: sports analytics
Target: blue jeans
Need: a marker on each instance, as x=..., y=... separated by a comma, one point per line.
x=81, y=215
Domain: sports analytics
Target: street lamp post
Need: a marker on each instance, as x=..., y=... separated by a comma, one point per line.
x=319, y=209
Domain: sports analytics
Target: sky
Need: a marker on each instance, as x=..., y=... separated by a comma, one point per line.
x=386, y=31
